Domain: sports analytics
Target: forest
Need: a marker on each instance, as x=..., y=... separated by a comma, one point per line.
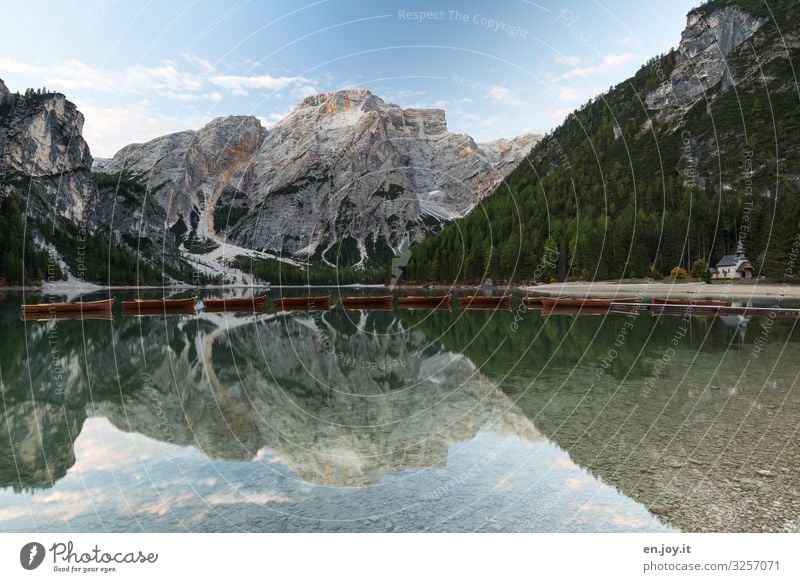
x=621, y=191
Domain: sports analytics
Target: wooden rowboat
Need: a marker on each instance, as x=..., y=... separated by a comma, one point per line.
x=422, y=301
x=584, y=302
x=693, y=302
x=77, y=307
x=299, y=303
x=367, y=302
x=485, y=301
x=235, y=304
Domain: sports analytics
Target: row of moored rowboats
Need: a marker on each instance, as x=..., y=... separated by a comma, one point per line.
x=188, y=305
x=254, y=304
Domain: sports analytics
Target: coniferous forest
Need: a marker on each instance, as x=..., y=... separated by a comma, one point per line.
x=622, y=191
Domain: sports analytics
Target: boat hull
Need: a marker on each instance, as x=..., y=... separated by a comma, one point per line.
x=78, y=307
x=302, y=303
x=367, y=302
x=583, y=302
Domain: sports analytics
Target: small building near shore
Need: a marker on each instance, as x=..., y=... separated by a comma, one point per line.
x=735, y=266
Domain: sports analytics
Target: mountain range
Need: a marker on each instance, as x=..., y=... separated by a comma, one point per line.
x=345, y=181
x=671, y=167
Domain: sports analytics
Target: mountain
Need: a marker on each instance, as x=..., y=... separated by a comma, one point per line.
x=54, y=219
x=345, y=179
x=698, y=150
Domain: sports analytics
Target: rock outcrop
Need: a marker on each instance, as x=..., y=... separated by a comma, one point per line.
x=345, y=177
x=701, y=58
x=43, y=152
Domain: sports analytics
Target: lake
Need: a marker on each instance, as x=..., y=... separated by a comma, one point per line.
x=399, y=421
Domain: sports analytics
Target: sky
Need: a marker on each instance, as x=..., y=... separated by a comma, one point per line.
x=138, y=70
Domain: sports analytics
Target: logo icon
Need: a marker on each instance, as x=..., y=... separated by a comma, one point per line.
x=31, y=555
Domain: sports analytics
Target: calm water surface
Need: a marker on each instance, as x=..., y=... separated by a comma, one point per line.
x=399, y=421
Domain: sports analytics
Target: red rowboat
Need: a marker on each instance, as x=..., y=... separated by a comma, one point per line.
x=77, y=307
x=367, y=302
x=584, y=302
x=235, y=304
x=422, y=301
x=300, y=303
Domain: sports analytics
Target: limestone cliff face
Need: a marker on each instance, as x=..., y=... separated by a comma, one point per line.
x=343, y=175
x=186, y=172
x=700, y=62
x=347, y=174
x=42, y=146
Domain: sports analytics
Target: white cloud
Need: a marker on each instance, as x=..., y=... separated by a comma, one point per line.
x=567, y=94
x=109, y=128
x=271, y=119
x=607, y=63
x=559, y=113
x=241, y=84
x=502, y=95
x=566, y=60
x=12, y=66
x=72, y=75
x=612, y=60
x=631, y=42
x=167, y=79
x=304, y=91
x=126, y=105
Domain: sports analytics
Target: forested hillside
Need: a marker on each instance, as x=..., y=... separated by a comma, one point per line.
x=665, y=168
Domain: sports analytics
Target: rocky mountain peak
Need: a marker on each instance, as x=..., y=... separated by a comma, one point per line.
x=349, y=107
x=3, y=89
x=344, y=178
x=344, y=100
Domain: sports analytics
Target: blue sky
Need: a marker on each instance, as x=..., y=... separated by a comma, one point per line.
x=141, y=69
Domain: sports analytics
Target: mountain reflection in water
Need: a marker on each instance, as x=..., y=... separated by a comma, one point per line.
x=391, y=421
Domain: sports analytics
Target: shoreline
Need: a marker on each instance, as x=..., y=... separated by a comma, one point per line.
x=599, y=289
x=778, y=291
